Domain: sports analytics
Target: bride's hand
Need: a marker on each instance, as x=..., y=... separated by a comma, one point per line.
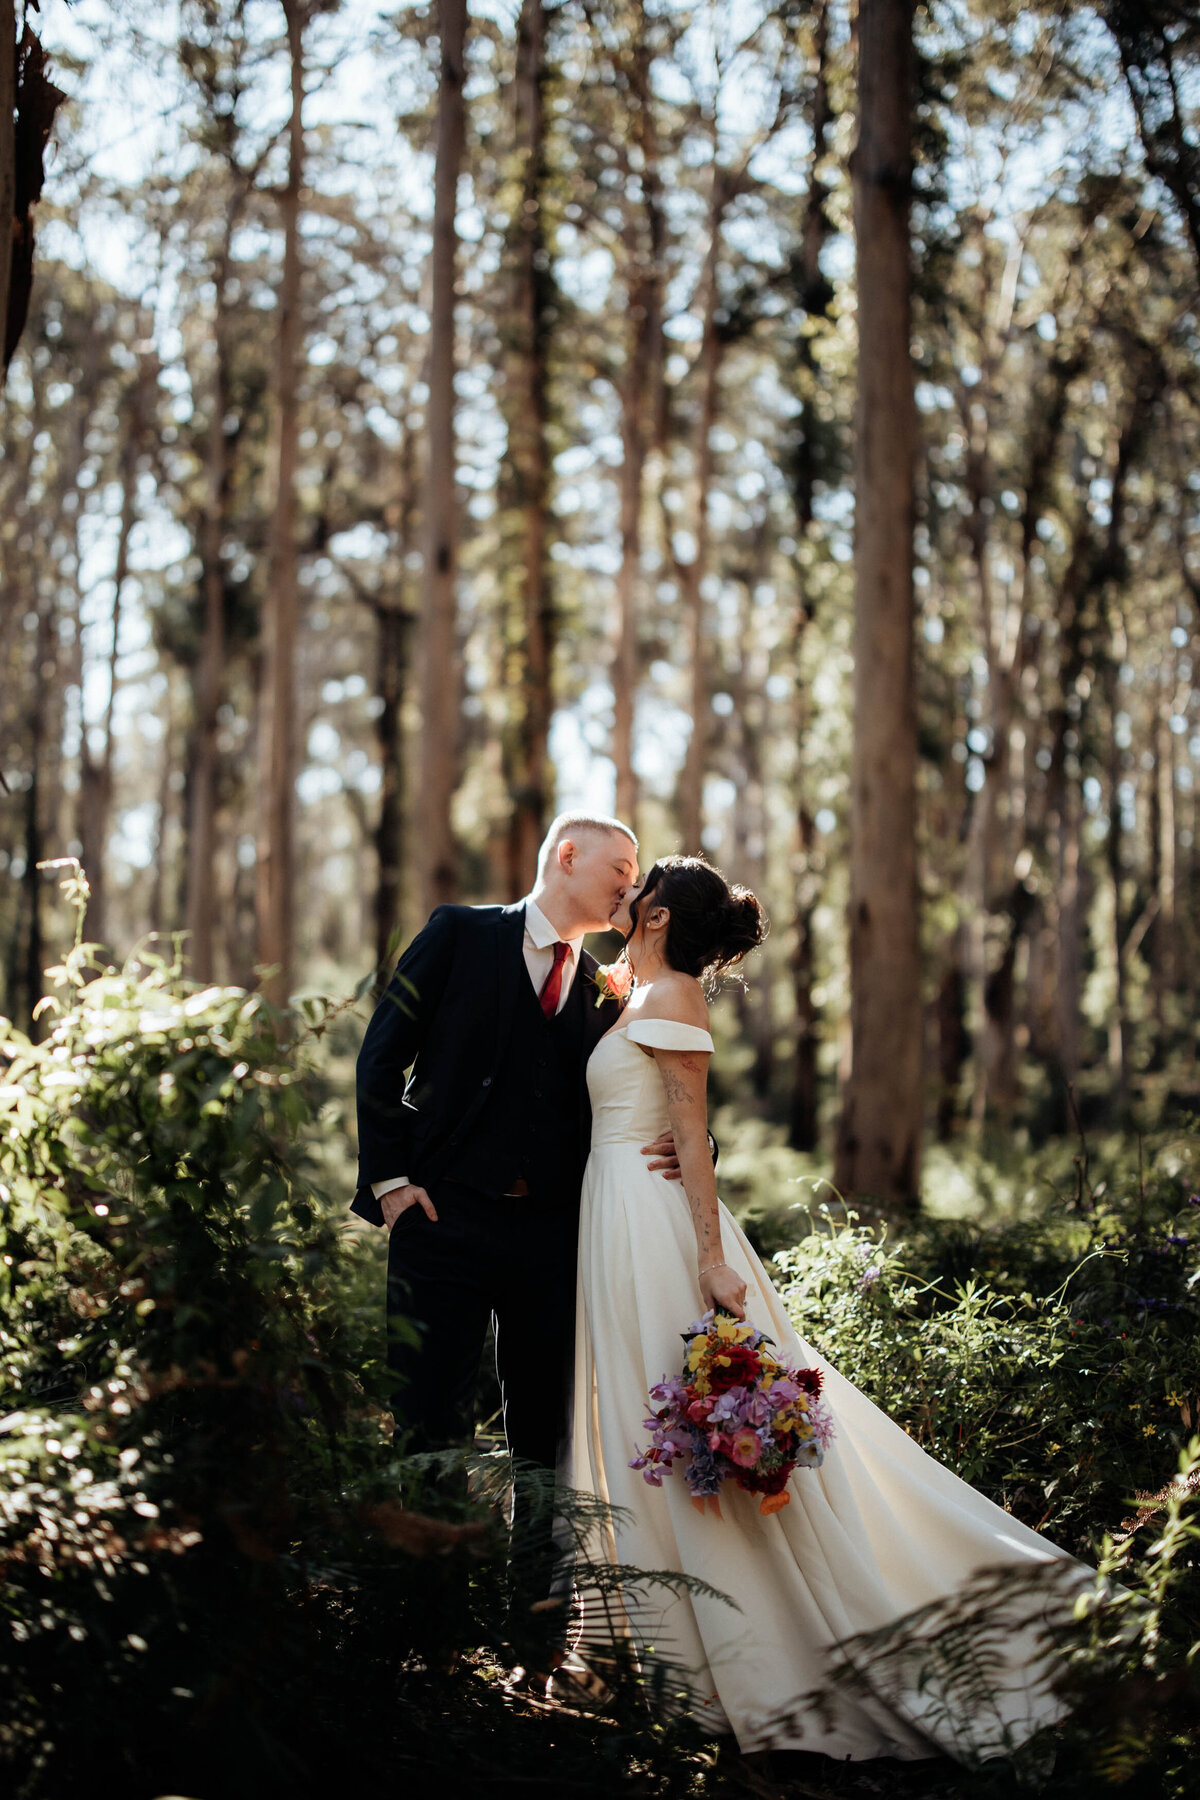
x=723, y=1289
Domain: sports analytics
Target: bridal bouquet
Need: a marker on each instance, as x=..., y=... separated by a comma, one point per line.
x=735, y=1411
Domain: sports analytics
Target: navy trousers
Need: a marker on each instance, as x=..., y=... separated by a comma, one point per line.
x=510, y=1262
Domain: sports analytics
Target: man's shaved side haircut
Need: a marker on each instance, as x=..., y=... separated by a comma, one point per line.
x=573, y=825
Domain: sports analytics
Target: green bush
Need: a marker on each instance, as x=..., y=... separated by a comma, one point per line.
x=211, y=1584
x=1056, y=1366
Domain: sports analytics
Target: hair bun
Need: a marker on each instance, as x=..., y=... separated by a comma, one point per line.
x=745, y=924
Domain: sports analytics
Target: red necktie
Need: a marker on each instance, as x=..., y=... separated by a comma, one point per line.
x=552, y=986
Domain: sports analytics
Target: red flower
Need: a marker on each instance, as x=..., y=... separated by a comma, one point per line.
x=808, y=1379
x=742, y=1367
x=759, y=1481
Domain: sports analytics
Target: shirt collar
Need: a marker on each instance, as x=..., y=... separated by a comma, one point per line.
x=542, y=934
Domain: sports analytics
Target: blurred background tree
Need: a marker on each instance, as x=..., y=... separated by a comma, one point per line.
x=422, y=422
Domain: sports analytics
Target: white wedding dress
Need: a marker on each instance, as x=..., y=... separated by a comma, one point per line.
x=879, y=1531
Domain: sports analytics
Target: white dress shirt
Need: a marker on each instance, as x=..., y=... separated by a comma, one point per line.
x=538, y=948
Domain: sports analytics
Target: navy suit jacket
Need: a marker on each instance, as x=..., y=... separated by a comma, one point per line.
x=446, y=1015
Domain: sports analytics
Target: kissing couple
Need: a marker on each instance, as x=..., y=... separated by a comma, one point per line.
x=533, y=1133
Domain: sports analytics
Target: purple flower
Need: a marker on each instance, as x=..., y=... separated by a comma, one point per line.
x=703, y=1478
x=870, y=1275
x=1177, y=1237
x=669, y=1391
x=782, y=1394
x=758, y=1409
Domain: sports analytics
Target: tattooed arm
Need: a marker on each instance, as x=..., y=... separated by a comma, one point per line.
x=685, y=1077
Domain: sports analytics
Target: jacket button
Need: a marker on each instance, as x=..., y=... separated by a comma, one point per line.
x=487, y=1081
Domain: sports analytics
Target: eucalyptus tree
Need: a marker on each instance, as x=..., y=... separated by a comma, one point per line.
x=439, y=656
x=880, y=1130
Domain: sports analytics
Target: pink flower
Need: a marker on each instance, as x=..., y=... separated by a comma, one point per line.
x=746, y=1449
x=699, y=1410
x=614, y=980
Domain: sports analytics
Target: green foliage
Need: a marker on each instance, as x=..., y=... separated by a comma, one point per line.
x=212, y=1585
x=202, y=1534
x=1054, y=1364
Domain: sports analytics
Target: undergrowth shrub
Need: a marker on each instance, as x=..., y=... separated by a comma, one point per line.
x=1056, y=1366
x=211, y=1583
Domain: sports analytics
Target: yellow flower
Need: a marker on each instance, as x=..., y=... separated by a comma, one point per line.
x=1174, y=1399
x=727, y=1330
x=1149, y=1430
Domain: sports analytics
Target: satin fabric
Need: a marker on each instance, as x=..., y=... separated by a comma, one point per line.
x=880, y=1530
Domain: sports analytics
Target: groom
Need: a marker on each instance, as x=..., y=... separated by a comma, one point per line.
x=475, y=1163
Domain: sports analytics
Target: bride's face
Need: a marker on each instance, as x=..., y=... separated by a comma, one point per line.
x=620, y=920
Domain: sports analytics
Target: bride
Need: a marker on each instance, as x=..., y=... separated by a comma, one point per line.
x=878, y=1532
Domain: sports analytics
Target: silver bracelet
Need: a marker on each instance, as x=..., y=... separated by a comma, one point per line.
x=711, y=1266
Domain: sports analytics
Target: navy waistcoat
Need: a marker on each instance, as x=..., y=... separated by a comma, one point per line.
x=530, y=1124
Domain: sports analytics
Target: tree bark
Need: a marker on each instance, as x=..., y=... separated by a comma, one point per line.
x=8, y=150
x=439, y=661
x=394, y=622
x=691, y=782
x=815, y=295
x=207, y=678
x=528, y=775
x=275, y=860
x=625, y=660
x=642, y=409
x=879, y=1138
x=96, y=774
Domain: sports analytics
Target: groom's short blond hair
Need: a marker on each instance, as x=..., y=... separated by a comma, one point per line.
x=574, y=824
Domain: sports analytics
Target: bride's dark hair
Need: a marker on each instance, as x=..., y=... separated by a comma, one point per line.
x=713, y=923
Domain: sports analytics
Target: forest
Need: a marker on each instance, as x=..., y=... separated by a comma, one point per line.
x=775, y=422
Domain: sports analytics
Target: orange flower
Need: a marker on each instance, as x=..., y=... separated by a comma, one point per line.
x=773, y=1503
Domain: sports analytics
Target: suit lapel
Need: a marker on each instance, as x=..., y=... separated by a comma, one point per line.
x=510, y=963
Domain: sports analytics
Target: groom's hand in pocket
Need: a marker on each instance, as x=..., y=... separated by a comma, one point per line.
x=665, y=1157
x=398, y=1200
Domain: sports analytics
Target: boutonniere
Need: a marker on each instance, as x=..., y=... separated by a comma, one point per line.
x=613, y=981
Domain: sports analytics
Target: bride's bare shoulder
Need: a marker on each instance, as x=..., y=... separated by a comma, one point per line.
x=673, y=995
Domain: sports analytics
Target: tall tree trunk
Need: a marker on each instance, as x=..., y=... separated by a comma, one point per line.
x=96, y=774
x=625, y=660
x=1063, y=817
x=691, y=782
x=879, y=1138
x=1164, y=919
x=275, y=864
x=38, y=738
x=8, y=150
x=394, y=622
x=438, y=775
x=642, y=407
x=1118, y=1028
x=203, y=756
x=815, y=295
x=528, y=775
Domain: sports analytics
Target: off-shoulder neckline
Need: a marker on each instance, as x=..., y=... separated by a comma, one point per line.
x=617, y=1030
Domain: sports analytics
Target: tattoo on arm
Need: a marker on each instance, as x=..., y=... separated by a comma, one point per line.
x=677, y=1093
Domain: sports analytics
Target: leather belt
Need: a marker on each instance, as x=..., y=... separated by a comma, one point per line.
x=518, y=1191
